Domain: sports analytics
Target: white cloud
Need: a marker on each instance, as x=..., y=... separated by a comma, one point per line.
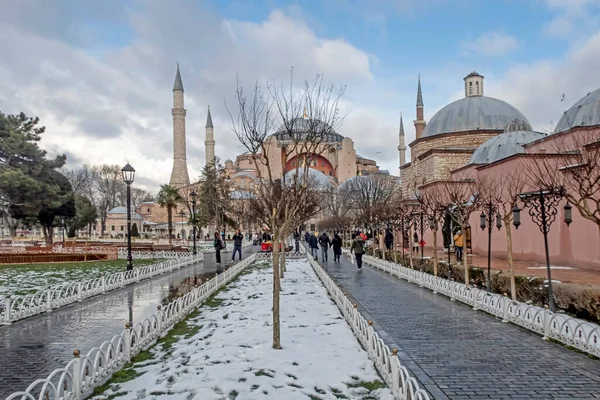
x=492, y=44
x=571, y=16
x=116, y=107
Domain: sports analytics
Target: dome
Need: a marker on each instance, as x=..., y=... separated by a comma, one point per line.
x=586, y=112
x=351, y=180
x=123, y=210
x=473, y=113
x=506, y=144
x=322, y=181
x=301, y=126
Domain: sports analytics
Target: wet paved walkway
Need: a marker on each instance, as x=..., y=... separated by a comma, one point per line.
x=31, y=349
x=458, y=353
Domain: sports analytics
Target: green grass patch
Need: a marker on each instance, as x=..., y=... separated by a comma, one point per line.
x=143, y=355
x=233, y=395
x=182, y=328
x=262, y=372
x=370, y=386
x=125, y=375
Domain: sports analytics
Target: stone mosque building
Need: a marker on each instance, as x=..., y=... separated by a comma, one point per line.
x=484, y=136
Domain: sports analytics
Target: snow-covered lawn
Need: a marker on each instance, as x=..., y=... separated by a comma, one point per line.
x=224, y=350
x=20, y=279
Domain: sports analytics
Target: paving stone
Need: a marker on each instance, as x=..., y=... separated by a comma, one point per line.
x=32, y=348
x=464, y=353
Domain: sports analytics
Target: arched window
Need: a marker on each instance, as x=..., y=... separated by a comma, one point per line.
x=112, y=228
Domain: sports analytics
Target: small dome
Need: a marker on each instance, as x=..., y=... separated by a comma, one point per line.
x=472, y=113
x=302, y=126
x=321, y=180
x=344, y=185
x=518, y=124
x=504, y=145
x=123, y=210
x=228, y=161
x=586, y=112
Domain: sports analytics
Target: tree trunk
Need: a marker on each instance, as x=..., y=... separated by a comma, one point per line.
x=276, y=291
x=435, y=257
x=464, y=254
x=48, y=234
x=511, y=266
x=170, y=223
x=410, y=247
x=395, y=247
x=282, y=264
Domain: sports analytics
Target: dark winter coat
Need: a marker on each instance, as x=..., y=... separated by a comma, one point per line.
x=358, y=245
x=238, y=239
x=336, y=243
x=313, y=242
x=324, y=241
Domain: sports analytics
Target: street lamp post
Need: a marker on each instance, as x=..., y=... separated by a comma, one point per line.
x=487, y=220
x=421, y=226
x=542, y=207
x=194, y=196
x=128, y=176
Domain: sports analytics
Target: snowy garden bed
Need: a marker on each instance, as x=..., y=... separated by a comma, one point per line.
x=22, y=279
x=223, y=351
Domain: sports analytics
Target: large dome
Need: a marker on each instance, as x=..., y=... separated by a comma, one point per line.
x=320, y=179
x=586, y=112
x=516, y=134
x=472, y=113
x=301, y=127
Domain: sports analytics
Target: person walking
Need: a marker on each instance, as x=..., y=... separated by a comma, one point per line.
x=358, y=248
x=218, y=245
x=313, y=243
x=415, y=243
x=324, y=242
x=458, y=245
x=297, y=241
x=238, y=238
x=336, y=243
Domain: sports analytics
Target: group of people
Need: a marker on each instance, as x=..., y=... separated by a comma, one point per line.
x=323, y=242
x=220, y=244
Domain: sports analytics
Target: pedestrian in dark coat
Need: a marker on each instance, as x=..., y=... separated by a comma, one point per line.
x=313, y=243
x=336, y=243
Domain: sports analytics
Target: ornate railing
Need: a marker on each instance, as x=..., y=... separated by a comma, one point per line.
x=19, y=307
x=403, y=386
x=81, y=375
x=582, y=335
x=148, y=255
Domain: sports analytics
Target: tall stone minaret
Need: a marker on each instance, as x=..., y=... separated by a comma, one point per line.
x=179, y=174
x=420, y=121
x=401, y=145
x=209, y=142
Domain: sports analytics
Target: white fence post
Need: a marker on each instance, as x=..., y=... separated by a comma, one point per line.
x=7, y=316
x=103, y=283
x=79, y=294
x=127, y=337
x=77, y=375
x=395, y=366
x=546, y=322
x=49, y=301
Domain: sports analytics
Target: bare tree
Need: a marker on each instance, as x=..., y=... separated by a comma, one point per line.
x=463, y=198
x=365, y=194
x=139, y=195
x=81, y=179
x=503, y=191
x=108, y=187
x=278, y=204
x=433, y=203
x=574, y=165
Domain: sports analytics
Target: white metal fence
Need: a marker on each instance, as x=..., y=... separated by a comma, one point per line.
x=81, y=375
x=14, y=308
x=403, y=386
x=582, y=335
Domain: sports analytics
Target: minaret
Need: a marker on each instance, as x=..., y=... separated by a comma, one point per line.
x=209, y=142
x=401, y=145
x=420, y=121
x=179, y=174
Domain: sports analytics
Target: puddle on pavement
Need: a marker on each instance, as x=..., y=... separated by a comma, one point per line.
x=188, y=284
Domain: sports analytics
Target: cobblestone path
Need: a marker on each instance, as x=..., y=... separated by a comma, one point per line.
x=31, y=349
x=458, y=353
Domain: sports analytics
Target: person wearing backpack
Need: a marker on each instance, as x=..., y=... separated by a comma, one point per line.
x=218, y=245
x=358, y=248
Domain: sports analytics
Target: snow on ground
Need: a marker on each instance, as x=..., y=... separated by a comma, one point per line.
x=227, y=351
x=20, y=279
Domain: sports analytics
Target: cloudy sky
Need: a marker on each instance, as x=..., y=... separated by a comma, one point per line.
x=99, y=74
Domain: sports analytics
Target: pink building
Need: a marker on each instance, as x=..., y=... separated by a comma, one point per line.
x=514, y=159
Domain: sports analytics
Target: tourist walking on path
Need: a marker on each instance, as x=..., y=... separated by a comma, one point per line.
x=238, y=238
x=458, y=245
x=218, y=245
x=389, y=239
x=336, y=243
x=324, y=242
x=415, y=245
x=313, y=243
x=297, y=241
x=358, y=248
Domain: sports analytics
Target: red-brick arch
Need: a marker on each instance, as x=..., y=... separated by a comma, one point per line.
x=317, y=162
